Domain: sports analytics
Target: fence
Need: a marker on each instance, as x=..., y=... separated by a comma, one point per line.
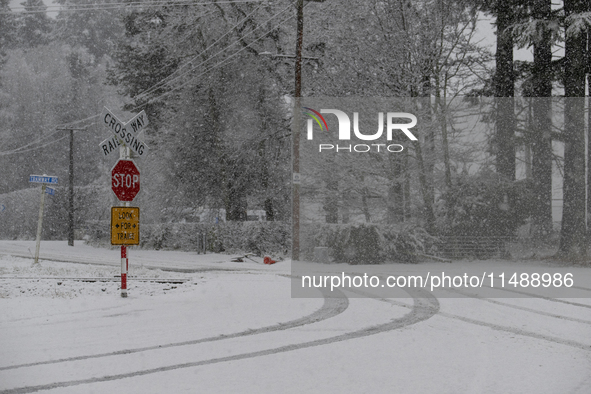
x=474, y=247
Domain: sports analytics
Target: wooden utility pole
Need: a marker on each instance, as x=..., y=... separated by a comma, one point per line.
x=295, y=243
x=71, y=184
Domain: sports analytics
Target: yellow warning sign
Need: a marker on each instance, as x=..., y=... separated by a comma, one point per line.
x=125, y=226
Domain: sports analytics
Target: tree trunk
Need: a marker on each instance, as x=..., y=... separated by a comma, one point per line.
x=406, y=188
x=504, y=89
x=236, y=204
x=331, y=202
x=429, y=144
x=365, y=205
x=264, y=160
x=588, y=72
x=441, y=107
x=395, y=212
x=542, y=127
x=330, y=193
x=572, y=234
x=428, y=213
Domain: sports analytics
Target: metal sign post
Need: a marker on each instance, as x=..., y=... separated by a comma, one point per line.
x=124, y=266
x=125, y=182
x=125, y=230
x=44, y=180
x=39, y=225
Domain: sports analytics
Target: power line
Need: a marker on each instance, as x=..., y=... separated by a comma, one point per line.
x=164, y=81
x=20, y=150
x=212, y=67
x=38, y=140
x=216, y=65
x=70, y=124
x=112, y=6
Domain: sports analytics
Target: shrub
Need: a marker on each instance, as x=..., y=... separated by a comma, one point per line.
x=271, y=238
x=485, y=205
x=368, y=243
x=357, y=245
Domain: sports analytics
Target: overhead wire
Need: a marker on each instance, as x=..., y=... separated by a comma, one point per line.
x=219, y=64
x=175, y=78
x=164, y=80
x=20, y=150
x=38, y=140
x=111, y=6
x=64, y=126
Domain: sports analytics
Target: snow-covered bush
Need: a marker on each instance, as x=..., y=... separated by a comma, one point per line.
x=230, y=237
x=368, y=243
x=485, y=205
x=356, y=245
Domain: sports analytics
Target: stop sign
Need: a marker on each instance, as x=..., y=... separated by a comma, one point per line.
x=125, y=180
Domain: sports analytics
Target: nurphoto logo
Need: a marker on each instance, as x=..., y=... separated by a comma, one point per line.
x=344, y=130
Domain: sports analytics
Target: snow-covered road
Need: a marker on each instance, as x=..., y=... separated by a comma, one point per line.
x=234, y=328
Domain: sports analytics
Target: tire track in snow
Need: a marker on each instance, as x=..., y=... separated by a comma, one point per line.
x=522, y=308
x=518, y=331
x=533, y=295
x=513, y=330
x=330, y=308
x=424, y=307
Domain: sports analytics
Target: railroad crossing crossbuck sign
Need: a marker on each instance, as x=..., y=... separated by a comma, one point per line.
x=125, y=134
x=125, y=226
x=125, y=180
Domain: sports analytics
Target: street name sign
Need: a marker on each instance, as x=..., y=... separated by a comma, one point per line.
x=126, y=133
x=125, y=180
x=43, y=179
x=50, y=191
x=125, y=226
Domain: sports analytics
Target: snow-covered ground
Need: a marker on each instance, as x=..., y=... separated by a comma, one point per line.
x=202, y=324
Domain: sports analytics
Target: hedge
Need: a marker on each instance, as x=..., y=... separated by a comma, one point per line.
x=261, y=238
x=367, y=243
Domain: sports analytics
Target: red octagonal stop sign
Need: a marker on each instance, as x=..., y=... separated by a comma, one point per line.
x=125, y=180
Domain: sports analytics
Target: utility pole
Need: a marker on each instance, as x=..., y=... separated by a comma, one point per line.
x=71, y=184
x=295, y=243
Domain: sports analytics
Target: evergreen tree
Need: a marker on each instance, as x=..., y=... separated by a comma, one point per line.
x=541, y=140
x=81, y=23
x=504, y=90
x=7, y=28
x=572, y=234
x=222, y=124
x=33, y=25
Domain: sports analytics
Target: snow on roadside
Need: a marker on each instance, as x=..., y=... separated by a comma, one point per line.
x=19, y=277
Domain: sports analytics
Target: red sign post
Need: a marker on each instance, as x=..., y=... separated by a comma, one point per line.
x=125, y=180
x=124, y=268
